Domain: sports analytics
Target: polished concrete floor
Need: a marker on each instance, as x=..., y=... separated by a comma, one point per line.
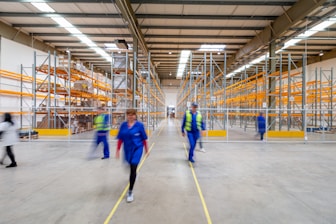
x=230, y=183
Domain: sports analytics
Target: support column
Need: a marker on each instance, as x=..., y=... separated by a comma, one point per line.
x=34, y=91
x=224, y=87
x=304, y=91
x=271, y=85
x=135, y=67
x=289, y=94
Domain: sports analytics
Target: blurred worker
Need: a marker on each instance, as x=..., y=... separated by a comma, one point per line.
x=200, y=141
x=9, y=137
x=132, y=134
x=102, y=125
x=261, y=125
x=193, y=124
x=75, y=126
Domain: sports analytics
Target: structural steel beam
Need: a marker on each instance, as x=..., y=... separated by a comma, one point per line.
x=60, y=1
x=111, y=26
x=147, y=36
x=23, y=38
x=139, y=16
x=184, y=2
x=297, y=12
x=39, y=25
x=204, y=17
x=212, y=2
x=43, y=14
x=129, y=15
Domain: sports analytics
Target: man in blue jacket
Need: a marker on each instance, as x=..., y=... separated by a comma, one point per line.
x=192, y=123
x=261, y=126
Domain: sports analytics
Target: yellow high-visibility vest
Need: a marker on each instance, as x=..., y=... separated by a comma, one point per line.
x=99, y=122
x=189, y=121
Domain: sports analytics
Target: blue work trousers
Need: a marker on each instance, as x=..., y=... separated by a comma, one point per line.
x=192, y=136
x=102, y=138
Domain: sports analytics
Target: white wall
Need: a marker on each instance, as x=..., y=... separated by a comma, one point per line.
x=171, y=95
x=325, y=65
x=12, y=55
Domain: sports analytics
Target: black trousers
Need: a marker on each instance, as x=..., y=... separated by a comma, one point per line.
x=10, y=153
x=132, y=176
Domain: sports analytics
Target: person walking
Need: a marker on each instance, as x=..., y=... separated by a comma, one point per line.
x=132, y=134
x=200, y=141
x=193, y=124
x=9, y=137
x=102, y=125
x=261, y=125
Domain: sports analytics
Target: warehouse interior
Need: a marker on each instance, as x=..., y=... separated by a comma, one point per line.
x=61, y=60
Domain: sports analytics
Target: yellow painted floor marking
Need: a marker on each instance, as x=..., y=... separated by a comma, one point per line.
x=122, y=196
x=205, y=208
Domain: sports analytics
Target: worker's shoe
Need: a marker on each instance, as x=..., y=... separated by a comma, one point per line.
x=105, y=157
x=129, y=197
x=11, y=165
x=191, y=160
x=202, y=150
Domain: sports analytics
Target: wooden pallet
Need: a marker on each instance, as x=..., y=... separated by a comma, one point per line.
x=32, y=136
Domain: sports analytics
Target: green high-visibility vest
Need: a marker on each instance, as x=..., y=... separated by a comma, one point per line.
x=99, y=122
x=189, y=120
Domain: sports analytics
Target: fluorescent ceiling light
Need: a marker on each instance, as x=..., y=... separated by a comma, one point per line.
x=292, y=42
x=183, y=62
x=73, y=30
x=43, y=7
x=212, y=47
x=253, y=62
x=310, y=32
x=108, y=58
x=87, y=41
x=111, y=46
x=101, y=52
x=62, y=22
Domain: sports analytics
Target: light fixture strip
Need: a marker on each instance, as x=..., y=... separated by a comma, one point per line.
x=183, y=63
x=319, y=27
x=44, y=7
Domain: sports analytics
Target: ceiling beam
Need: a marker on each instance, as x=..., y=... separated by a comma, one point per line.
x=202, y=27
x=60, y=1
x=212, y=2
x=186, y=48
x=145, y=16
x=38, y=25
x=147, y=36
x=200, y=36
x=184, y=2
x=111, y=26
x=76, y=15
x=87, y=34
x=204, y=17
x=281, y=24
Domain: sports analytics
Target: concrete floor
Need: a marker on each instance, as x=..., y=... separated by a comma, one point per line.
x=240, y=183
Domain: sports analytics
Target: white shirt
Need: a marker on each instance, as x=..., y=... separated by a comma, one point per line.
x=9, y=135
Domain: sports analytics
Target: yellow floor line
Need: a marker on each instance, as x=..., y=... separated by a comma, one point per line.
x=205, y=208
x=122, y=196
x=161, y=129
